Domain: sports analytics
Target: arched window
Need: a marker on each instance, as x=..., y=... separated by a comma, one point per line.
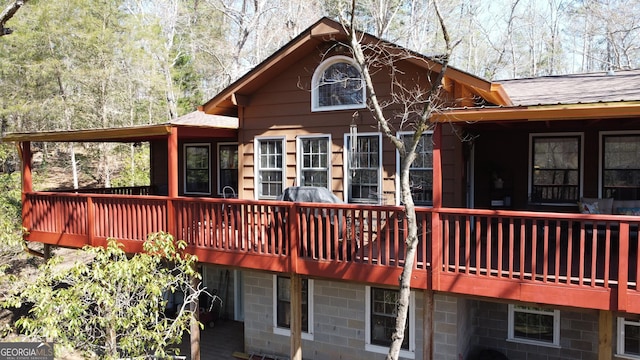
x=337, y=85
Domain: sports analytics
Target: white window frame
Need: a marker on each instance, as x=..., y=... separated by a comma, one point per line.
x=300, y=157
x=400, y=134
x=604, y=134
x=411, y=319
x=579, y=135
x=347, y=169
x=184, y=158
x=306, y=335
x=540, y=311
x=257, y=167
x=620, y=349
x=317, y=75
x=220, y=187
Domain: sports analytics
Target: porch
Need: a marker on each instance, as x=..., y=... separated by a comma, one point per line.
x=562, y=259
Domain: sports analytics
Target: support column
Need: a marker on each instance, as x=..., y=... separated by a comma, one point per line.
x=433, y=281
x=172, y=163
x=172, y=179
x=605, y=335
x=195, y=324
x=27, y=182
x=427, y=319
x=296, y=285
x=296, y=317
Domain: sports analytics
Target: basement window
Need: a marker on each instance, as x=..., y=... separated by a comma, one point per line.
x=282, y=307
x=628, y=338
x=534, y=325
x=381, y=310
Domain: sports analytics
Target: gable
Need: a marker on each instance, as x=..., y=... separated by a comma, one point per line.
x=316, y=37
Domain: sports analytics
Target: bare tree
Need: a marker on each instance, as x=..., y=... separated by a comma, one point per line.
x=418, y=105
x=7, y=14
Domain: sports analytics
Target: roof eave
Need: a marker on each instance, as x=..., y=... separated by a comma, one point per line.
x=129, y=134
x=541, y=112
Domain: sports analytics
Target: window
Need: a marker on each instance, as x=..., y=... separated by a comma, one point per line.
x=337, y=84
x=555, y=171
x=313, y=157
x=421, y=171
x=197, y=174
x=282, y=306
x=363, y=162
x=621, y=166
x=270, y=167
x=629, y=338
x=381, y=309
x=534, y=325
x=227, y=167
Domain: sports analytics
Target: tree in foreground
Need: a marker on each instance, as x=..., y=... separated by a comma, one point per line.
x=409, y=108
x=113, y=305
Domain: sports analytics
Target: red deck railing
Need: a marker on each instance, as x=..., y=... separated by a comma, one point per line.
x=562, y=259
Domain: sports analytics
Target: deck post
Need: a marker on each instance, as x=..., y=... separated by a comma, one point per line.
x=172, y=181
x=195, y=323
x=427, y=319
x=605, y=335
x=296, y=285
x=623, y=266
x=27, y=183
x=172, y=162
x=91, y=232
x=296, y=317
x=292, y=235
x=436, y=230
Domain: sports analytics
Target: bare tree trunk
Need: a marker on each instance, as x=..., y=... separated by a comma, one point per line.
x=7, y=14
x=407, y=156
x=194, y=325
x=74, y=165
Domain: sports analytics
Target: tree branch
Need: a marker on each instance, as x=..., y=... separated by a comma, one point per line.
x=7, y=14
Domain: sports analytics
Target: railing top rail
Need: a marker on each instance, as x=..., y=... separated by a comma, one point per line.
x=539, y=215
x=94, y=195
x=275, y=203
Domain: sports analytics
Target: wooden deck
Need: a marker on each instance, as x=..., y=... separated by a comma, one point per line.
x=559, y=259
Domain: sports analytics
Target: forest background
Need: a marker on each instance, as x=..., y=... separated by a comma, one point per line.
x=80, y=64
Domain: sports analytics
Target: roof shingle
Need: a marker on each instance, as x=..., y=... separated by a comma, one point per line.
x=623, y=85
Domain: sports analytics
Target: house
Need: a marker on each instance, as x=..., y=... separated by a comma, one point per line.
x=506, y=261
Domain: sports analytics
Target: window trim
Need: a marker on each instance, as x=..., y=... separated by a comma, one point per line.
x=184, y=166
x=347, y=172
x=399, y=134
x=604, y=134
x=299, y=156
x=579, y=135
x=308, y=335
x=317, y=74
x=620, y=348
x=257, y=167
x=556, y=327
x=411, y=319
x=220, y=188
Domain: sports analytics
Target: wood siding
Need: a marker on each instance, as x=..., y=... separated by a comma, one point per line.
x=282, y=108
